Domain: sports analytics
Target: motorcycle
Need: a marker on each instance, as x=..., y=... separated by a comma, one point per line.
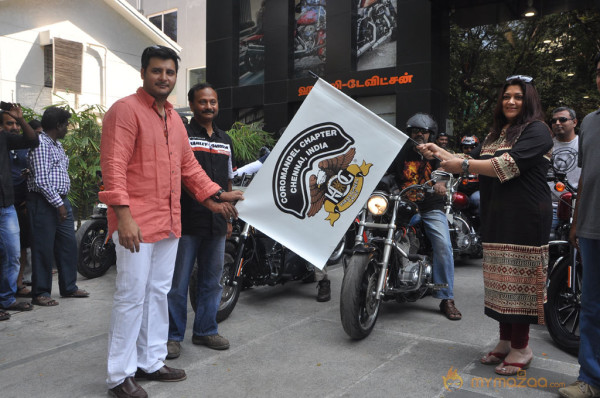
x=390, y=259
x=310, y=34
x=309, y=37
x=376, y=23
x=252, y=52
x=462, y=220
x=95, y=249
x=562, y=308
x=254, y=259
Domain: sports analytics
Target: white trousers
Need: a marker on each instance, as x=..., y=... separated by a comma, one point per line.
x=139, y=322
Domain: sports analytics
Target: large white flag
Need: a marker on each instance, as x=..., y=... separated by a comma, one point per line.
x=321, y=172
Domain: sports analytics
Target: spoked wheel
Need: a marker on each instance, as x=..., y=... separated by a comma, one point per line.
x=94, y=257
x=338, y=252
x=359, y=305
x=231, y=292
x=562, y=309
x=461, y=234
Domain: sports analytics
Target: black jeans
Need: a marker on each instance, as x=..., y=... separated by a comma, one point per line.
x=51, y=241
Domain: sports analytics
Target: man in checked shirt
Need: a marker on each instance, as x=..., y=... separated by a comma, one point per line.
x=50, y=213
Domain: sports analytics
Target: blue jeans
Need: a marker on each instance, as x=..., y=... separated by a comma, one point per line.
x=589, y=320
x=10, y=253
x=475, y=202
x=51, y=241
x=209, y=253
x=436, y=229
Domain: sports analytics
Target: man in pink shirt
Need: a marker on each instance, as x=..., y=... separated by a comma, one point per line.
x=145, y=157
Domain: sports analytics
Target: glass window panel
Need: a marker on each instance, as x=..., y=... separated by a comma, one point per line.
x=157, y=21
x=170, y=25
x=195, y=76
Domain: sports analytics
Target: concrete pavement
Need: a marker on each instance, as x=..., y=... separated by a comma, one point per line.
x=285, y=344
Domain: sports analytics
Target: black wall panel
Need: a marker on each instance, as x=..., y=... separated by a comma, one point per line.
x=422, y=52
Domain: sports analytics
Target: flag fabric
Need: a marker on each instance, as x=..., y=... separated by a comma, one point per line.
x=320, y=174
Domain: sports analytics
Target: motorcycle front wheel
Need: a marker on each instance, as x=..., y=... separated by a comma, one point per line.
x=94, y=257
x=338, y=252
x=229, y=295
x=358, y=305
x=562, y=308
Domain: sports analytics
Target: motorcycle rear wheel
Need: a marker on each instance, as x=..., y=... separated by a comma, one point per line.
x=359, y=307
x=562, y=308
x=94, y=258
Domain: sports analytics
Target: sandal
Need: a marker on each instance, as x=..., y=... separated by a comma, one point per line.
x=44, y=301
x=493, y=358
x=4, y=316
x=520, y=366
x=20, y=306
x=79, y=293
x=23, y=291
x=449, y=309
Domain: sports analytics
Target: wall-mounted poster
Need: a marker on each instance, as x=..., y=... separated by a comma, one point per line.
x=252, y=44
x=376, y=34
x=309, y=38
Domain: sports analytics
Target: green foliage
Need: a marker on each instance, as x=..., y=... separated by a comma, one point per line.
x=82, y=145
x=482, y=57
x=247, y=141
x=29, y=114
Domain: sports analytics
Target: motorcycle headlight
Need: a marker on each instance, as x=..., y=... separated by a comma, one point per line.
x=377, y=204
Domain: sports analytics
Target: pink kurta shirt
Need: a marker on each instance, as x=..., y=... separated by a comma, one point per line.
x=144, y=161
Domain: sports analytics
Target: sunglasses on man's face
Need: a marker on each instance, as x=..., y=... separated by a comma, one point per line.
x=416, y=130
x=561, y=119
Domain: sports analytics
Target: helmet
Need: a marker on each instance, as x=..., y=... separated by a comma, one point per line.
x=422, y=121
x=469, y=140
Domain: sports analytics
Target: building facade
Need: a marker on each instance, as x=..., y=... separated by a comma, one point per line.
x=85, y=52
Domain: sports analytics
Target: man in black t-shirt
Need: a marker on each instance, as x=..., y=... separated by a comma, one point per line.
x=410, y=168
x=203, y=232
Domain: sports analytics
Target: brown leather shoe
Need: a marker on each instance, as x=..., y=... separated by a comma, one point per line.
x=173, y=349
x=214, y=341
x=163, y=374
x=449, y=309
x=129, y=389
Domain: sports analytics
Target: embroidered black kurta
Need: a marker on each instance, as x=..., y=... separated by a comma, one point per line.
x=516, y=216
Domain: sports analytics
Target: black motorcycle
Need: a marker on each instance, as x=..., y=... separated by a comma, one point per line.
x=95, y=249
x=562, y=308
x=254, y=259
x=391, y=258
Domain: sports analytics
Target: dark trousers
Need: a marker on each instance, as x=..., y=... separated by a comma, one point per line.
x=51, y=241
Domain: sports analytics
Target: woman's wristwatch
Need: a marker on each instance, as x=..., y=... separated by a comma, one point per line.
x=465, y=167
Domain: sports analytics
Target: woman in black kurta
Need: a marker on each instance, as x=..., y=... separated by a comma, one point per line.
x=516, y=215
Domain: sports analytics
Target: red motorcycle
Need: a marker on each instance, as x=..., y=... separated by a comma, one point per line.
x=463, y=221
x=310, y=34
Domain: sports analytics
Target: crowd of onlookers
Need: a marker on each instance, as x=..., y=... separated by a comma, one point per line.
x=36, y=220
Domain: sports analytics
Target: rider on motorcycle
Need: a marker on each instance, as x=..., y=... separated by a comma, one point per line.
x=410, y=168
x=443, y=141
